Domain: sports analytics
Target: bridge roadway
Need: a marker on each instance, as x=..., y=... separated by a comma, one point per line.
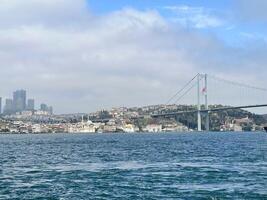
x=185, y=112
x=207, y=110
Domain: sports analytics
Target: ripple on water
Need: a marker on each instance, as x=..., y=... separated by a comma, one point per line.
x=121, y=166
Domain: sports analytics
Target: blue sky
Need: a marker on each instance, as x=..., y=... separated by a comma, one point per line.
x=111, y=5
x=86, y=55
x=234, y=30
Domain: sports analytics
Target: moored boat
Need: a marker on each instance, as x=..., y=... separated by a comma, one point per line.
x=265, y=128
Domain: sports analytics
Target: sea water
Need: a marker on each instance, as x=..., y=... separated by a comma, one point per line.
x=134, y=166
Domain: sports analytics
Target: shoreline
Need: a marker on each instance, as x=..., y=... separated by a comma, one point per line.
x=134, y=133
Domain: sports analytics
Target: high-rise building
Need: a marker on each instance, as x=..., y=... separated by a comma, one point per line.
x=43, y=107
x=8, y=109
x=50, y=110
x=46, y=108
x=30, y=104
x=0, y=105
x=19, y=100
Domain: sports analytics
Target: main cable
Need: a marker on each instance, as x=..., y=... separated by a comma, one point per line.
x=182, y=89
x=186, y=92
x=237, y=83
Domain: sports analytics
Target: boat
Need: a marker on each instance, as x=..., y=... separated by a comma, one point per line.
x=265, y=128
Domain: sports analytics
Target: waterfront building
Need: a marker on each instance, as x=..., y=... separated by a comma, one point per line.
x=129, y=128
x=109, y=128
x=154, y=128
x=30, y=104
x=19, y=100
x=174, y=127
x=36, y=128
x=82, y=127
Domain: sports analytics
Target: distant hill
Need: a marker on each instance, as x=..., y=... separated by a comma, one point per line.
x=217, y=119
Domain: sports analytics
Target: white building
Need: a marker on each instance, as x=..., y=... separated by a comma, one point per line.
x=174, y=128
x=82, y=127
x=154, y=128
x=128, y=128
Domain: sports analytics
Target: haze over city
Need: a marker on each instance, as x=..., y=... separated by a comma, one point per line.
x=82, y=56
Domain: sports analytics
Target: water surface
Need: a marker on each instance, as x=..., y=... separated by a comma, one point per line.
x=134, y=166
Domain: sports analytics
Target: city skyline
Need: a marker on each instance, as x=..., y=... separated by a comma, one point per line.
x=83, y=56
x=20, y=103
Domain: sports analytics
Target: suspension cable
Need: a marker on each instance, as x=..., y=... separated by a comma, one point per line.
x=238, y=84
x=186, y=92
x=182, y=89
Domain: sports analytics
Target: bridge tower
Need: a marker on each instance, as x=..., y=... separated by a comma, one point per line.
x=198, y=103
x=207, y=123
x=205, y=92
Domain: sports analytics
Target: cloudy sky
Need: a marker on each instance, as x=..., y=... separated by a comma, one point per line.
x=85, y=55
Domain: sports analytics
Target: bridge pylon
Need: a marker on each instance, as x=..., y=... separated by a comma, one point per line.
x=205, y=92
x=198, y=103
x=207, y=123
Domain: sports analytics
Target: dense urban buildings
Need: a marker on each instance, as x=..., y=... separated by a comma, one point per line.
x=129, y=120
x=20, y=116
x=20, y=104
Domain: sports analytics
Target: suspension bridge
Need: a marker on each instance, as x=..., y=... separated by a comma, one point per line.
x=201, y=89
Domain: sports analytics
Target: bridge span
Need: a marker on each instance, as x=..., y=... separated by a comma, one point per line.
x=206, y=110
x=200, y=81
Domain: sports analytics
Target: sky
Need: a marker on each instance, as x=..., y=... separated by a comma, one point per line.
x=86, y=55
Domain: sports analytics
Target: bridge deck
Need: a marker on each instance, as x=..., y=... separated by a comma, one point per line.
x=208, y=110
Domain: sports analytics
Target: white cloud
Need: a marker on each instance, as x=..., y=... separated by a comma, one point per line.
x=78, y=61
x=14, y=13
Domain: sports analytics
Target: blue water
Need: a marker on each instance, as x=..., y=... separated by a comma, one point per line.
x=134, y=166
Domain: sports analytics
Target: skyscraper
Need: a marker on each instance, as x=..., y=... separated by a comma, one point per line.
x=30, y=104
x=50, y=110
x=43, y=107
x=8, y=109
x=19, y=100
